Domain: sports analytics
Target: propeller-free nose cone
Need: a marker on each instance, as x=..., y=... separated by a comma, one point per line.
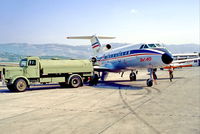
x=167, y=58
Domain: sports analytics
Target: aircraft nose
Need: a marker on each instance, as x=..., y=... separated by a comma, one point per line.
x=167, y=58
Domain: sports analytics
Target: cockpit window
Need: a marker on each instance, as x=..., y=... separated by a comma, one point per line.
x=158, y=45
x=145, y=46
x=151, y=45
x=23, y=63
x=141, y=47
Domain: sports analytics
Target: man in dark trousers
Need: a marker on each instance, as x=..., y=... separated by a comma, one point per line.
x=154, y=75
x=170, y=73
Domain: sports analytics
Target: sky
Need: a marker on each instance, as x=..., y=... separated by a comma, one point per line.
x=130, y=21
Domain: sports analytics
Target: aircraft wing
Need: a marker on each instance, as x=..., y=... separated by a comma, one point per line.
x=185, y=60
x=99, y=68
x=181, y=63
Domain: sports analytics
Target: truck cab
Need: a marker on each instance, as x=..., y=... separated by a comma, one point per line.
x=30, y=67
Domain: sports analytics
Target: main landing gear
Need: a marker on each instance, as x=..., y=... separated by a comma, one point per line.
x=132, y=76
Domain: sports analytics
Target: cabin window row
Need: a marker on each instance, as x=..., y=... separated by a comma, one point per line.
x=119, y=54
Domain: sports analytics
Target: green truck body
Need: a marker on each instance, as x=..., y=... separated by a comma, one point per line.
x=35, y=70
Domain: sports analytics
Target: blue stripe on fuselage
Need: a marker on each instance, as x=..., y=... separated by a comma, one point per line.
x=124, y=53
x=143, y=51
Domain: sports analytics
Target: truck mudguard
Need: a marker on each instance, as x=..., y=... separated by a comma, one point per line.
x=17, y=77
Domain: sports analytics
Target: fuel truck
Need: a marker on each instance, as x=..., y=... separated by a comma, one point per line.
x=33, y=70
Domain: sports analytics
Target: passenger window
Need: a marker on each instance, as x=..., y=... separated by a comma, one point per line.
x=32, y=62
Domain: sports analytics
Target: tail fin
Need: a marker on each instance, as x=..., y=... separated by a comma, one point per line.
x=95, y=44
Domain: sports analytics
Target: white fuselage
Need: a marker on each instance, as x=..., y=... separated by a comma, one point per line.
x=126, y=58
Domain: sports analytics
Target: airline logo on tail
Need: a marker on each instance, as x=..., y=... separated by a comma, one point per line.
x=96, y=44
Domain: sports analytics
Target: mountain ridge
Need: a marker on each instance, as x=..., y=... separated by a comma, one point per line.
x=13, y=51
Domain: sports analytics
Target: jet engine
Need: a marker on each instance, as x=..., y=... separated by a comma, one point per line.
x=108, y=46
x=93, y=59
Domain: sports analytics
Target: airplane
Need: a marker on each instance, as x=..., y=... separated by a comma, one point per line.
x=125, y=58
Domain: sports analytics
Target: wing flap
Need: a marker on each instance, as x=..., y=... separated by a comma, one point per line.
x=186, y=60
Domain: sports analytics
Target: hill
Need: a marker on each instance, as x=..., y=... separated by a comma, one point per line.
x=13, y=51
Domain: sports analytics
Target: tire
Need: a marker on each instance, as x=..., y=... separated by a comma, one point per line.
x=11, y=88
x=20, y=85
x=75, y=81
x=85, y=79
x=149, y=82
x=94, y=80
x=132, y=77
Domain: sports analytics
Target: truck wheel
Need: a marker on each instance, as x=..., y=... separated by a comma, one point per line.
x=75, y=81
x=11, y=88
x=20, y=85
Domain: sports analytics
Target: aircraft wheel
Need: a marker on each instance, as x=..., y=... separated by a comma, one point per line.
x=132, y=76
x=149, y=82
x=94, y=80
x=85, y=79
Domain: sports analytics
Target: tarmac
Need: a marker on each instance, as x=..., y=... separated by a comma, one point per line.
x=117, y=106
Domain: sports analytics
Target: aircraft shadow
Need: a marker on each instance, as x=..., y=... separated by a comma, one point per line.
x=168, y=78
x=114, y=85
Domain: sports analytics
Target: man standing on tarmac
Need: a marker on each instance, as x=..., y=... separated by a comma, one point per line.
x=170, y=73
x=154, y=75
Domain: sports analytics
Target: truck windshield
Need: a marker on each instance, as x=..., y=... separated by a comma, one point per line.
x=23, y=63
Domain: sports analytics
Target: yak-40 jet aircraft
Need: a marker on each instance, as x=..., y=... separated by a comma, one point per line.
x=126, y=58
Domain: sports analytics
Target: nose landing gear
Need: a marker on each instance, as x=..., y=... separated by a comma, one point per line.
x=149, y=82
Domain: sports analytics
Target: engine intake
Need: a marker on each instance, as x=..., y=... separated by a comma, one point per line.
x=108, y=46
x=93, y=59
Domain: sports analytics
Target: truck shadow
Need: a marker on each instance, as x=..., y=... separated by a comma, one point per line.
x=34, y=88
x=108, y=85
x=4, y=90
